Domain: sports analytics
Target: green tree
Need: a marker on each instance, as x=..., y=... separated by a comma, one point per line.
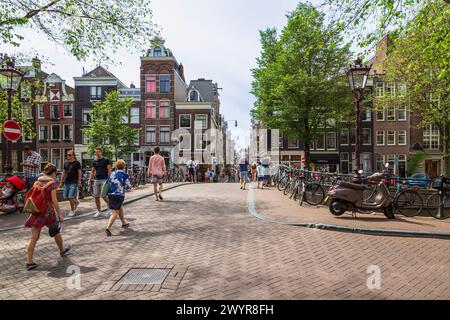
x=298, y=82
x=108, y=128
x=420, y=58
x=370, y=20
x=86, y=28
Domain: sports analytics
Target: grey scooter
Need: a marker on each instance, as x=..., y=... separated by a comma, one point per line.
x=349, y=197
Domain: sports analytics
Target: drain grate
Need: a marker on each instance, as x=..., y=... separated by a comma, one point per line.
x=145, y=276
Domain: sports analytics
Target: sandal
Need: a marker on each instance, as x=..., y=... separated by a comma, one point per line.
x=66, y=251
x=160, y=198
x=108, y=233
x=31, y=266
x=126, y=226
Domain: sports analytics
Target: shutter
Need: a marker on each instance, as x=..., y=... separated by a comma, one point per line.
x=47, y=111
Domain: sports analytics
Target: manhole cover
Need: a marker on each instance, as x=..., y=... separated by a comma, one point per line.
x=145, y=276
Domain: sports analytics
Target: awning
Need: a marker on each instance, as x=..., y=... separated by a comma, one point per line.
x=324, y=158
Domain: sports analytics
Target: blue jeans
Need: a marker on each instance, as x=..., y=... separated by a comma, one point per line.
x=70, y=191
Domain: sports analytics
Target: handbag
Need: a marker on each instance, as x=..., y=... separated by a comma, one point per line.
x=105, y=188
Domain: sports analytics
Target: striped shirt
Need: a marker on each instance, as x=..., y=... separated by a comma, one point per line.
x=35, y=159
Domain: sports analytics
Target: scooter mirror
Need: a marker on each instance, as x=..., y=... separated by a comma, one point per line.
x=387, y=165
x=360, y=172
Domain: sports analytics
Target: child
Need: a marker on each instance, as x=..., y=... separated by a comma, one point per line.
x=261, y=171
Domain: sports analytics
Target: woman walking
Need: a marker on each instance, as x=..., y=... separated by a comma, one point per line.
x=45, y=207
x=119, y=182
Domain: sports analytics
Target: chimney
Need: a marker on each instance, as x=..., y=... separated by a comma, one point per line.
x=132, y=86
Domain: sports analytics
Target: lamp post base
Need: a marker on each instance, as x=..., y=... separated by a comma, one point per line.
x=357, y=177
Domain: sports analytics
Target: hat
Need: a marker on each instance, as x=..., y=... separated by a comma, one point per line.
x=18, y=183
x=54, y=229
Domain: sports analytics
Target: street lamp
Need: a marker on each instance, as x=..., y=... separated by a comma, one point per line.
x=357, y=75
x=10, y=80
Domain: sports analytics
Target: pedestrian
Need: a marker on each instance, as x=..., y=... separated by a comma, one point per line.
x=191, y=165
x=100, y=172
x=31, y=166
x=243, y=168
x=157, y=171
x=254, y=171
x=261, y=174
x=119, y=181
x=44, y=211
x=71, y=180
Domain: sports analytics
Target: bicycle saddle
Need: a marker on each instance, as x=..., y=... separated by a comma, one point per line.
x=352, y=186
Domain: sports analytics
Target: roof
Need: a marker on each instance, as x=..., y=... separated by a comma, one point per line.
x=99, y=72
x=206, y=88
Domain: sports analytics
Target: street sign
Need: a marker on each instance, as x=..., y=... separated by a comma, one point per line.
x=303, y=160
x=11, y=130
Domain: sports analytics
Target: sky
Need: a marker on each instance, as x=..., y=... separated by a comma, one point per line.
x=214, y=39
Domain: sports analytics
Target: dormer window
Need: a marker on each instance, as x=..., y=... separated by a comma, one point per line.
x=194, y=96
x=157, y=52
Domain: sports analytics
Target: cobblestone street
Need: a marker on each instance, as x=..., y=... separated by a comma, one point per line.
x=215, y=249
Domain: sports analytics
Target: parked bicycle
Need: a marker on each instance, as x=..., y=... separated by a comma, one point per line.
x=438, y=204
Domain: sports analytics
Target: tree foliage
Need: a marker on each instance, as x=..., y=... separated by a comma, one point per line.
x=299, y=82
x=108, y=128
x=85, y=28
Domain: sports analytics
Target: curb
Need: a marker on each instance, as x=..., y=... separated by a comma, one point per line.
x=332, y=227
x=129, y=201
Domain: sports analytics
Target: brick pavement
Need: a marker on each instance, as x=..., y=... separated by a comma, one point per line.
x=228, y=255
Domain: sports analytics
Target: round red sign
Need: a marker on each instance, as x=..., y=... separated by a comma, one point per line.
x=11, y=130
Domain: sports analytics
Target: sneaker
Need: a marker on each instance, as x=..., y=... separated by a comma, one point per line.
x=66, y=251
x=108, y=233
x=97, y=214
x=71, y=213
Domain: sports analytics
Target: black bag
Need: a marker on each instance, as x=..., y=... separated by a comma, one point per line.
x=441, y=183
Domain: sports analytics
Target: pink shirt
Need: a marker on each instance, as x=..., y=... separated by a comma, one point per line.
x=156, y=166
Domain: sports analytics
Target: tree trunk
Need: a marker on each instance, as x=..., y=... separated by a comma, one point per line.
x=446, y=157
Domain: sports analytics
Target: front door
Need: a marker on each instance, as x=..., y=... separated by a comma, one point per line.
x=432, y=168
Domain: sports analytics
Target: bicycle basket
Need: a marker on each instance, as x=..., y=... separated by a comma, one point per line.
x=441, y=183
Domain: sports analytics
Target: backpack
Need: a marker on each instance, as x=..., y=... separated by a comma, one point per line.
x=36, y=201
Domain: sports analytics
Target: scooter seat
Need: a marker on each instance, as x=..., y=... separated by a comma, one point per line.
x=353, y=186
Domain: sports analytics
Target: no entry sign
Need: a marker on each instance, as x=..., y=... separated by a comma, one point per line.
x=11, y=130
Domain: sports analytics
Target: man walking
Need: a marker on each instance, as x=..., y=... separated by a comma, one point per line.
x=31, y=166
x=191, y=165
x=71, y=179
x=243, y=171
x=157, y=171
x=101, y=170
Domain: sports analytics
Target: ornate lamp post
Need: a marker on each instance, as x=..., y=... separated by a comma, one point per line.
x=10, y=81
x=357, y=75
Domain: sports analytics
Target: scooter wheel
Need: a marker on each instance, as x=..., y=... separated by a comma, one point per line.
x=333, y=208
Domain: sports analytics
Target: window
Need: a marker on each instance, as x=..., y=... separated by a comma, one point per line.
x=319, y=141
x=379, y=163
x=56, y=132
x=380, y=115
x=164, y=84
x=353, y=136
x=391, y=137
x=402, y=137
x=41, y=112
x=43, y=133
x=56, y=158
x=150, y=135
x=194, y=96
x=185, y=120
x=366, y=136
x=26, y=138
x=96, y=93
x=343, y=138
x=402, y=113
x=164, y=109
x=366, y=162
x=366, y=114
x=87, y=116
x=402, y=90
x=391, y=161
x=185, y=142
x=25, y=91
x=390, y=89
x=402, y=165
x=67, y=111
x=68, y=132
x=164, y=135
x=150, y=110
x=134, y=115
x=86, y=139
x=344, y=163
x=201, y=121
x=391, y=113
x=331, y=140
x=379, y=89
x=157, y=52
x=431, y=137
x=292, y=143
x=380, y=137
x=150, y=84
x=44, y=155
x=27, y=111
x=200, y=142
x=54, y=112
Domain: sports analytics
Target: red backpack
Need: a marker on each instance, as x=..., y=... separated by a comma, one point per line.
x=36, y=201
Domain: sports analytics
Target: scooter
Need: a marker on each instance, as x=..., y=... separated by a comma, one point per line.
x=349, y=197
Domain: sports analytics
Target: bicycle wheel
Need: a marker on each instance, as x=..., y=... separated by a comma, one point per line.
x=409, y=203
x=287, y=188
x=438, y=206
x=282, y=183
x=314, y=194
x=294, y=191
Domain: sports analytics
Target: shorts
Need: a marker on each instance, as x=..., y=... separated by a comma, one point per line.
x=97, y=188
x=261, y=178
x=243, y=175
x=115, y=202
x=157, y=179
x=70, y=191
x=192, y=171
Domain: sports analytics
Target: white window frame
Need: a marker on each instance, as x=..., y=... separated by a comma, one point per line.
x=387, y=137
x=48, y=135
x=391, y=108
x=370, y=136
x=430, y=136
x=197, y=121
x=64, y=111
x=382, y=111
x=48, y=154
x=138, y=115
x=52, y=106
x=402, y=107
x=323, y=141
x=156, y=83
x=64, y=132
x=86, y=111
x=159, y=83
x=326, y=140
x=52, y=138
x=97, y=96
x=43, y=112
x=383, y=135
x=379, y=89
x=348, y=138
x=196, y=140
x=392, y=86
x=160, y=134
x=61, y=158
x=297, y=145
x=168, y=107
x=406, y=140
x=190, y=121
x=156, y=109
x=146, y=132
